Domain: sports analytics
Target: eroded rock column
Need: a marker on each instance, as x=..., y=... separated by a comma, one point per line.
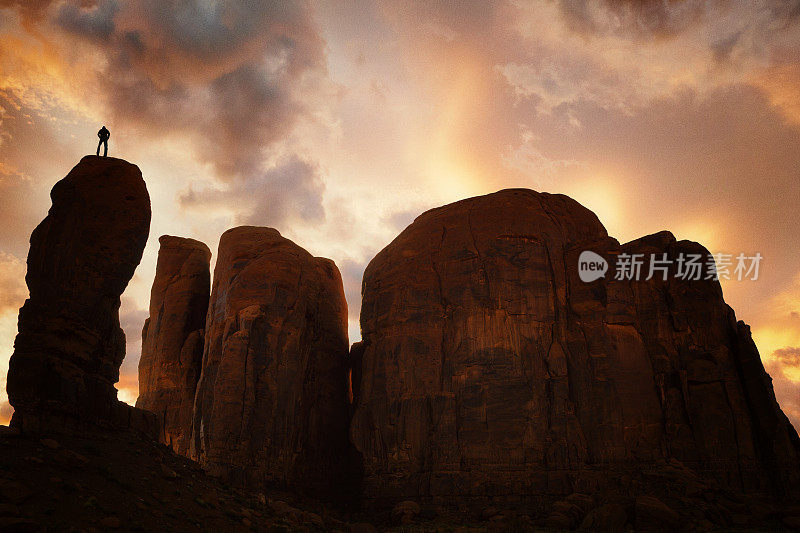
x=271, y=404
x=70, y=345
x=172, y=338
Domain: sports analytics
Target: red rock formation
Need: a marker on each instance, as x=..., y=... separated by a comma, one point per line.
x=271, y=404
x=490, y=370
x=172, y=338
x=70, y=345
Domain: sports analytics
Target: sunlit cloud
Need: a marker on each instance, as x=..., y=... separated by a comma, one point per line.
x=338, y=123
x=12, y=295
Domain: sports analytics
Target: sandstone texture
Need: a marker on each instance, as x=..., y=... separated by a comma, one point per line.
x=488, y=369
x=172, y=338
x=70, y=345
x=271, y=404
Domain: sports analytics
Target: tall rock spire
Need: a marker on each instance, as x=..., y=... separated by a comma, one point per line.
x=172, y=338
x=70, y=345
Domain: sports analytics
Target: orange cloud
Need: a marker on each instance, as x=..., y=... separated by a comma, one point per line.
x=782, y=84
x=657, y=115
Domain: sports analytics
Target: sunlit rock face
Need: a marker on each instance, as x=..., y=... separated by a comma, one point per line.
x=70, y=345
x=488, y=369
x=271, y=404
x=172, y=338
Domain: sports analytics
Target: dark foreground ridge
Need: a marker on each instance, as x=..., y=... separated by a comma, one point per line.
x=493, y=388
x=125, y=481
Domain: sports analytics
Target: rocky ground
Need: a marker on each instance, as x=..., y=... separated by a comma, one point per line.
x=122, y=481
x=126, y=482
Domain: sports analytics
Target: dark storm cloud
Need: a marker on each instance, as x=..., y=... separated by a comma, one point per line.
x=669, y=18
x=290, y=191
x=255, y=114
x=722, y=49
x=787, y=11
x=97, y=23
x=30, y=9
x=231, y=75
x=645, y=18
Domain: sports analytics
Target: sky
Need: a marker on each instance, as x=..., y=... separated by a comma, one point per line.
x=338, y=122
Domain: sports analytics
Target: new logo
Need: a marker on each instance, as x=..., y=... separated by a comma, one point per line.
x=591, y=266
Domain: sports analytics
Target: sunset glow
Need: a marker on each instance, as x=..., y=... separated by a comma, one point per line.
x=339, y=123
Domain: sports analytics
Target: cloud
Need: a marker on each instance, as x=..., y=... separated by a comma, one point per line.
x=787, y=11
x=290, y=192
x=236, y=77
x=637, y=18
x=31, y=10
x=13, y=290
x=340, y=122
x=16, y=216
x=131, y=320
x=352, y=274
x=34, y=153
x=787, y=357
x=95, y=24
x=787, y=391
x=5, y=412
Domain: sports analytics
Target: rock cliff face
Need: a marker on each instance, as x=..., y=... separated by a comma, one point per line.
x=172, y=338
x=489, y=369
x=271, y=404
x=70, y=345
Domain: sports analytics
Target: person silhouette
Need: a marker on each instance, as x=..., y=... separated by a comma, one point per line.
x=104, y=134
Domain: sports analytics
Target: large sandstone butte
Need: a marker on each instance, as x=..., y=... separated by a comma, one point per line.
x=490, y=370
x=271, y=404
x=70, y=345
x=172, y=337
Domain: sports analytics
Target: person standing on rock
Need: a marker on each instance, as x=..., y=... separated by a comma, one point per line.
x=104, y=135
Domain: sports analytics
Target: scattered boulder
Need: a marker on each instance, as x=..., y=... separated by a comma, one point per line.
x=611, y=517
x=70, y=345
x=110, y=522
x=406, y=511
x=172, y=338
x=568, y=513
x=8, y=509
x=363, y=527
x=792, y=523
x=167, y=472
x=651, y=514
x=19, y=525
x=9, y=432
x=50, y=443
